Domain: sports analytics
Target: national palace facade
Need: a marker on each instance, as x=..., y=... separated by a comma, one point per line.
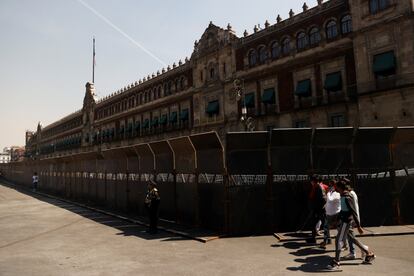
x=340, y=63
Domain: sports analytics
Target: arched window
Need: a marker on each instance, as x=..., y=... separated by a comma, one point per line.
x=154, y=93
x=159, y=91
x=176, y=85
x=165, y=89
x=169, y=88
x=145, y=97
x=346, y=24
x=275, y=50
x=252, y=58
x=314, y=36
x=262, y=54
x=302, y=41
x=286, y=46
x=182, y=83
x=212, y=73
x=331, y=30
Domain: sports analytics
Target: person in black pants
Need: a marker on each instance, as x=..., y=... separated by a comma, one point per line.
x=152, y=202
x=317, y=201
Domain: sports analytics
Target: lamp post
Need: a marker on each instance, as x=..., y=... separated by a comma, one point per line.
x=247, y=121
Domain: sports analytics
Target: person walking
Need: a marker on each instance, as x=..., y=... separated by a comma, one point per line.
x=35, y=181
x=347, y=216
x=332, y=209
x=352, y=253
x=152, y=202
x=317, y=200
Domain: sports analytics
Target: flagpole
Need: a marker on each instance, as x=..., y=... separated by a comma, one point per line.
x=93, y=62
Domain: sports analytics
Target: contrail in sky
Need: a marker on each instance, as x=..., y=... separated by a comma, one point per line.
x=107, y=21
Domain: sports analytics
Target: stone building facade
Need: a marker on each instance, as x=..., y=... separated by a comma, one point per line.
x=340, y=63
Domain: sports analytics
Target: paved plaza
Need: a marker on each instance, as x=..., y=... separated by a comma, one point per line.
x=42, y=236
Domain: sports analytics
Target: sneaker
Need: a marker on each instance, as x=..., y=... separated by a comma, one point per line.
x=369, y=259
x=322, y=245
x=334, y=266
x=349, y=257
x=319, y=233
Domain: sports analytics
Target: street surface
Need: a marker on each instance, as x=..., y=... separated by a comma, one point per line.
x=42, y=236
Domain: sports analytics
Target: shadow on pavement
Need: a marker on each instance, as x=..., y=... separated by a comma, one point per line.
x=315, y=259
x=126, y=228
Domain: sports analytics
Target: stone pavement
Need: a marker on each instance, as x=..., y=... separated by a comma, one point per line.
x=42, y=236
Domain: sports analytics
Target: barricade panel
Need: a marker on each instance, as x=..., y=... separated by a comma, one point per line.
x=290, y=151
x=184, y=154
x=209, y=152
x=247, y=152
x=372, y=150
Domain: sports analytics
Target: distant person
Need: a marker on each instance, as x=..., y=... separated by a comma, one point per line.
x=317, y=201
x=332, y=208
x=348, y=216
x=152, y=202
x=35, y=181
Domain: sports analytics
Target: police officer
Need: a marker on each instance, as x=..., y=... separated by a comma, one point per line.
x=152, y=202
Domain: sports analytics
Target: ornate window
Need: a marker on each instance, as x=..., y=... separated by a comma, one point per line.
x=302, y=41
x=169, y=86
x=252, y=58
x=346, y=24
x=331, y=30
x=262, y=54
x=212, y=73
x=275, y=50
x=286, y=46
x=376, y=6
x=182, y=83
x=159, y=92
x=314, y=36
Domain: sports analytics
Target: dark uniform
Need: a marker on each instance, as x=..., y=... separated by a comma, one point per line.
x=152, y=202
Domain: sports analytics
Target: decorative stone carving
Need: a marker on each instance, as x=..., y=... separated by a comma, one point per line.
x=279, y=18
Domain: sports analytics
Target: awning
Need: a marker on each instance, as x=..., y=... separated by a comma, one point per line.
x=154, y=122
x=213, y=108
x=173, y=117
x=164, y=119
x=184, y=115
x=249, y=100
x=304, y=88
x=268, y=96
x=333, y=82
x=384, y=64
x=130, y=127
x=146, y=123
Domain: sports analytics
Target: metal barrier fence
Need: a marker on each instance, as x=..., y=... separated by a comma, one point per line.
x=251, y=182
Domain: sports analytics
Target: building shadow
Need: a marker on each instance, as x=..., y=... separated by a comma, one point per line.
x=126, y=228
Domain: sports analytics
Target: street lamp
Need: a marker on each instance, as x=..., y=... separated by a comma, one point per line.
x=248, y=122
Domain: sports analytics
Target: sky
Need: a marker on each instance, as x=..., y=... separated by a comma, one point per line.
x=46, y=48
